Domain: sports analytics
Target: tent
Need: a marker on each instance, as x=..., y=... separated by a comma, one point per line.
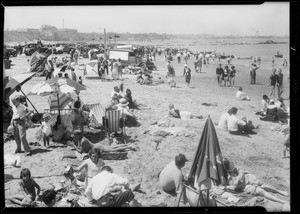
x=208, y=161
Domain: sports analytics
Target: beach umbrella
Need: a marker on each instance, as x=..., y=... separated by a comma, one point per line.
x=92, y=66
x=208, y=161
x=15, y=81
x=59, y=101
x=36, y=56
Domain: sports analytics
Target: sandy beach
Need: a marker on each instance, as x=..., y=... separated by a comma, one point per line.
x=261, y=154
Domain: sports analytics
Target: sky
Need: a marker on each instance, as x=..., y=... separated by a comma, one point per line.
x=270, y=18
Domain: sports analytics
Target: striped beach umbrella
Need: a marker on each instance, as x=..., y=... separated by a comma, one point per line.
x=59, y=101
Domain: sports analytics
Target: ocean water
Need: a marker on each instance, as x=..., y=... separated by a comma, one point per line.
x=250, y=48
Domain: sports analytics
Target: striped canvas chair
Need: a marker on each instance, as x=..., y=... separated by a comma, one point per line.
x=114, y=122
x=96, y=113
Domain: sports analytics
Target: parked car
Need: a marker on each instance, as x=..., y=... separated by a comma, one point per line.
x=9, y=51
x=68, y=47
x=32, y=47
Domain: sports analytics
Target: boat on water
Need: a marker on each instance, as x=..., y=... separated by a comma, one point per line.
x=245, y=57
x=278, y=55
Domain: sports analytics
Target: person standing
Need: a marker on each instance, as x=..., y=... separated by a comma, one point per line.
x=272, y=82
x=232, y=76
x=73, y=75
x=115, y=71
x=20, y=113
x=119, y=68
x=279, y=79
x=253, y=69
x=219, y=73
x=187, y=74
x=226, y=75
x=273, y=62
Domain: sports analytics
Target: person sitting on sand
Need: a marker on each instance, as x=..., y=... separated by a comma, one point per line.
x=282, y=114
x=123, y=105
x=240, y=95
x=28, y=186
x=107, y=189
x=113, y=104
x=265, y=103
x=116, y=93
x=237, y=126
x=171, y=177
x=223, y=122
x=271, y=113
x=239, y=180
x=128, y=97
x=91, y=166
x=181, y=114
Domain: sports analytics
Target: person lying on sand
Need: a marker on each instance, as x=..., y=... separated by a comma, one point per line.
x=237, y=126
x=176, y=113
x=86, y=146
x=239, y=180
x=108, y=189
x=240, y=95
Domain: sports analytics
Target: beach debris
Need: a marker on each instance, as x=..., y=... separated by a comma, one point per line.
x=163, y=123
x=209, y=104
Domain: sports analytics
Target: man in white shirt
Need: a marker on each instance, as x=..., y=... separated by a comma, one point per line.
x=170, y=178
x=223, y=122
x=107, y=189
x=235, y=125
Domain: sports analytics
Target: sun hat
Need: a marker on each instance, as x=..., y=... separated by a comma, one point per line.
x=123, y=102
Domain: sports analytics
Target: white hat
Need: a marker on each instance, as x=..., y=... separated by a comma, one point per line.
x=123, y=102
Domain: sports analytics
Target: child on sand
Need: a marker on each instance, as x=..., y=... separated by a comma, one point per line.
x=28, y=186
x=46, y=129
x=80, y=80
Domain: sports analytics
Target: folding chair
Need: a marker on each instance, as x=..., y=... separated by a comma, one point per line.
x=113, y=122
x=97, y=112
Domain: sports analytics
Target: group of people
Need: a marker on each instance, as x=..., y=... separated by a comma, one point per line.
x=171, y=181
x=235, y=126
x=226, y=76
x=276, y=81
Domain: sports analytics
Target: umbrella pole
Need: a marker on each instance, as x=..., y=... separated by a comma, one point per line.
x=58, y=105
x=29, y=101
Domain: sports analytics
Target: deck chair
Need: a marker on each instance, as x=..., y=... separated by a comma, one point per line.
x=113, y=121
x=97, y=112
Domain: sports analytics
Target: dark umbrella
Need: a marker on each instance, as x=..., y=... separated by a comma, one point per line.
x=208, y=161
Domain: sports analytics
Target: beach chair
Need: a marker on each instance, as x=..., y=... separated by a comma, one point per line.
x=201, y=198
x=113, y=122
x=97, y=112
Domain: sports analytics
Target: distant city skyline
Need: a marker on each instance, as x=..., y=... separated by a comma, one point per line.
x=270, y=18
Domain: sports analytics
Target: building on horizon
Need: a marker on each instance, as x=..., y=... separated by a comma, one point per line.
x=48, y=29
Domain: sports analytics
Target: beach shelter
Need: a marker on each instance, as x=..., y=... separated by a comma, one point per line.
x=208, y=161
x=59, y=101
x=92, y=66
